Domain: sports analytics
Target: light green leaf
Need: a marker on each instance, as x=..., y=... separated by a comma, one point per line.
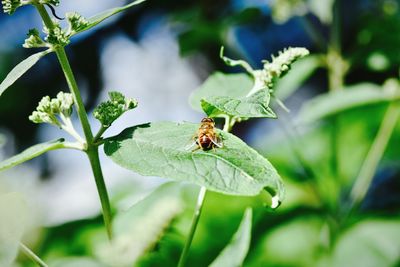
x=236, y=251
x=96, y=19
x=299, y=73
x=220, y=84
x=76, y=262
x=20, y=69
x=328, y=104
x=370, y=243
x=140, y=227
x=13, y=210
x=254, y=106
x=161, y=149
x=31, y=153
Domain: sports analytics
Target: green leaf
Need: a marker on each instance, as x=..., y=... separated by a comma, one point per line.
x=20, y=69
x=254, y=106
x=154, y=213
x=96, y=19
x=375, y=242
x=236, y=251
x=13, y=210
x=328, y=104
x=161, y=149
x=299, y=73
x=220, y=84
x=31, y=153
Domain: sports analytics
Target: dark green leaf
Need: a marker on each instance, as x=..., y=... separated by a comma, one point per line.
x=20, y=69
x=96, y=19
x=161, y=149
x=13, y=210
x=350, y=97
x=236, y=251
x=220, y=84
x=31, y=153
x=254, y=106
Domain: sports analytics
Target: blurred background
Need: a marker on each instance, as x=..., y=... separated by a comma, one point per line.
x=159, y=52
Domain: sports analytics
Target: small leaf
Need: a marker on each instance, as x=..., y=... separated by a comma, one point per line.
x=13, y=210
x=30, y=153
x=20, y=69
x=140, y=227
x=96, y=19
x=254, y=106
x=220, y=84
x=328, y=104
x=236, y=251
x=160, y=149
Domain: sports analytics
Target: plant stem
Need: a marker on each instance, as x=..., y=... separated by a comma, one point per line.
x=368, y=168
x=196, y=217
x=99, y=133
x=31, y=255
x=91, y=149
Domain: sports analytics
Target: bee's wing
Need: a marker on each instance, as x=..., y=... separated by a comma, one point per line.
x=217, y=141
x=192, y=143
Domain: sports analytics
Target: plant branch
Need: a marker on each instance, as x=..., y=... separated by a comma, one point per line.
x=370, y=165
x=97, y=137
x=91, y=150
x=195, y=220
x=31, y=255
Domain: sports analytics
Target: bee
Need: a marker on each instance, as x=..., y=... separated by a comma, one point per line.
x=206, y=137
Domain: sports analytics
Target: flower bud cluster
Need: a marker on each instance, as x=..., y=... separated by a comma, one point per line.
x=9, y=6
x=34, y=40
x=107, y=112
x=48, y=109
x=76, y=22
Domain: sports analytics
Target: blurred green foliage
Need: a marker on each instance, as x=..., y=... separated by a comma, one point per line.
x=319, y=156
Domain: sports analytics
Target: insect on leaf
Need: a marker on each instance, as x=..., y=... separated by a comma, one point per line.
x=160, y=149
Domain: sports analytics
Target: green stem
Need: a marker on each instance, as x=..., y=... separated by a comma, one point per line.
x=229, y=122
x=99, y=134
x=195, y=220
x=91, y=149
x=368, y=168
x=31, y=255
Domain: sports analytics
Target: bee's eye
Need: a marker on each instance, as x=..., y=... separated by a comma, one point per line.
x=207, y=120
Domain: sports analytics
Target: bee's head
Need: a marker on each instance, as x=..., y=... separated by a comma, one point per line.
x=209, y=120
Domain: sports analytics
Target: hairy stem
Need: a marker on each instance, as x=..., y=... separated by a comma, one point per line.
x=31, y=255
x=91, y=149
x=195, y=220
x=368, y=168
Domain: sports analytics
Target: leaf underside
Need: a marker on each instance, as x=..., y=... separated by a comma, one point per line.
x=20, y=69
x=31, y=153
x=161, y=149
